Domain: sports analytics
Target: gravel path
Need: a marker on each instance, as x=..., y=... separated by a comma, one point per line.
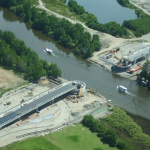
x=109, y=42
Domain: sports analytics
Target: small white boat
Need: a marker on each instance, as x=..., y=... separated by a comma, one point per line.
x=49, y=51
x=122, y=89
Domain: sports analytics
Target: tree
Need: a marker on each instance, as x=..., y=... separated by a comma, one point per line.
x=88, y=120
x=102, y=130
x=121, y=145
x=28, y=16
x=58, y=33
x=20, y=10
x=54, y=71
x=65, y=40
x=110, y=137
x=8, y=37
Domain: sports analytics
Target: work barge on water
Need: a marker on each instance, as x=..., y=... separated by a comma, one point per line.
x=125, y=58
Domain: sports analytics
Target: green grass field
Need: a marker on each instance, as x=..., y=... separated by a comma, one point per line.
x=37, y=143
x=71, y=138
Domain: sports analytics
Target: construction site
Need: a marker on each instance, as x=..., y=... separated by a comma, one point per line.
x=127, y=59
x=65, y=109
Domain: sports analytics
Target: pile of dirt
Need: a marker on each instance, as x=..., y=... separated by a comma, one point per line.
x=43, y=80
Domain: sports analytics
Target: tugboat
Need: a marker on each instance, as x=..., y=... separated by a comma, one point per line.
x=122, y=89
x=49, y=51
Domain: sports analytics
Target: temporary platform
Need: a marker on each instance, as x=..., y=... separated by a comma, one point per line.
x=131, y=57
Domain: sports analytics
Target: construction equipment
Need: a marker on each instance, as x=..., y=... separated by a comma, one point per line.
x=92, y=91
x=133, y=69
x=22, y=101
x=7, y=103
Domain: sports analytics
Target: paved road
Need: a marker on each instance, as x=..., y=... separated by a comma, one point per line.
x=9, y=135
x=36, y=104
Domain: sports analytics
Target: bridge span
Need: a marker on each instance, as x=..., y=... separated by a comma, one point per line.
x=52, y=94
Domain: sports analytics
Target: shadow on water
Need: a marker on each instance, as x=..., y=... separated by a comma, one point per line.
x=9, y=16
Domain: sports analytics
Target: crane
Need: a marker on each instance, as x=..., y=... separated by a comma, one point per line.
x=133, y=69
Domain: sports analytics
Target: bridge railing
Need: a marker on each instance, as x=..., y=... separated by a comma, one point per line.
x=39, y=105
x=29, y=100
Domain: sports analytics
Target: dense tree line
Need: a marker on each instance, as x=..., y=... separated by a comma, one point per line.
x=16, y=56
x=75, y=7
x=120, y=120
x=138, y=26
x=69, y=35
x=107, y=135
x=112, y=28
x=123, y=2
x=145, y=74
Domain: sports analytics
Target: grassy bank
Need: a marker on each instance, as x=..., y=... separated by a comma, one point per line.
x=62, y=9
x=142, y=122
x=127, y=129
x=59, y=7
x=71, y=138
x=10, y=80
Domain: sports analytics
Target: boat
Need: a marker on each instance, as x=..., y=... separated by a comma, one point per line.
x=122, y=89
x=121, y=66
x=49, y=51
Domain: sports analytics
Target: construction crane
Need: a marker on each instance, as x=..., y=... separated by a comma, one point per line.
x=133, y=69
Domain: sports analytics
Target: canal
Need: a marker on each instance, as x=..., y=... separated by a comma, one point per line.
x=74, y=67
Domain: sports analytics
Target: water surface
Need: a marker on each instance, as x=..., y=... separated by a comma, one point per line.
x=75, y=68
x=107, y=10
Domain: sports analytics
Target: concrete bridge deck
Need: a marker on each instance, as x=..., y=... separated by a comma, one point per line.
x=17, y=114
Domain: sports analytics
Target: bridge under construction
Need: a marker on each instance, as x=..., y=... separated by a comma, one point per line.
x=16, y=114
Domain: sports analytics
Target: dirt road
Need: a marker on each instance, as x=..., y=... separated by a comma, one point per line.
x=109, y=42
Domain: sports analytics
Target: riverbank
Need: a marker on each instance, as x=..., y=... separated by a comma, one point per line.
x=115, y=43
x=109, y=42
x=142, y=122
x=64, y=111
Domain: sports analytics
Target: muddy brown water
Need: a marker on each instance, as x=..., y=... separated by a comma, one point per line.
x=74, y=67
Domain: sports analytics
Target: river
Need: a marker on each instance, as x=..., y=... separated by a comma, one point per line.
x=74, y=67
x=107, y=10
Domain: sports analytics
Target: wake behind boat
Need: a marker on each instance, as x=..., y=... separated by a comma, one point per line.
x=122, y=89
x=49, y=51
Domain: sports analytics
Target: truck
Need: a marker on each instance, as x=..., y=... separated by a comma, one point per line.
x=7, y=103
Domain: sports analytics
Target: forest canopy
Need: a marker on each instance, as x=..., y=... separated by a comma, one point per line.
x=68, y=35
x=15, y=55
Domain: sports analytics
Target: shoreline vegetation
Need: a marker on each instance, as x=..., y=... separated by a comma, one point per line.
x=118, y=130
x=17, y=57
x=28, y=15
x=61, y=30
x=81, y=41
x=16, y=60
